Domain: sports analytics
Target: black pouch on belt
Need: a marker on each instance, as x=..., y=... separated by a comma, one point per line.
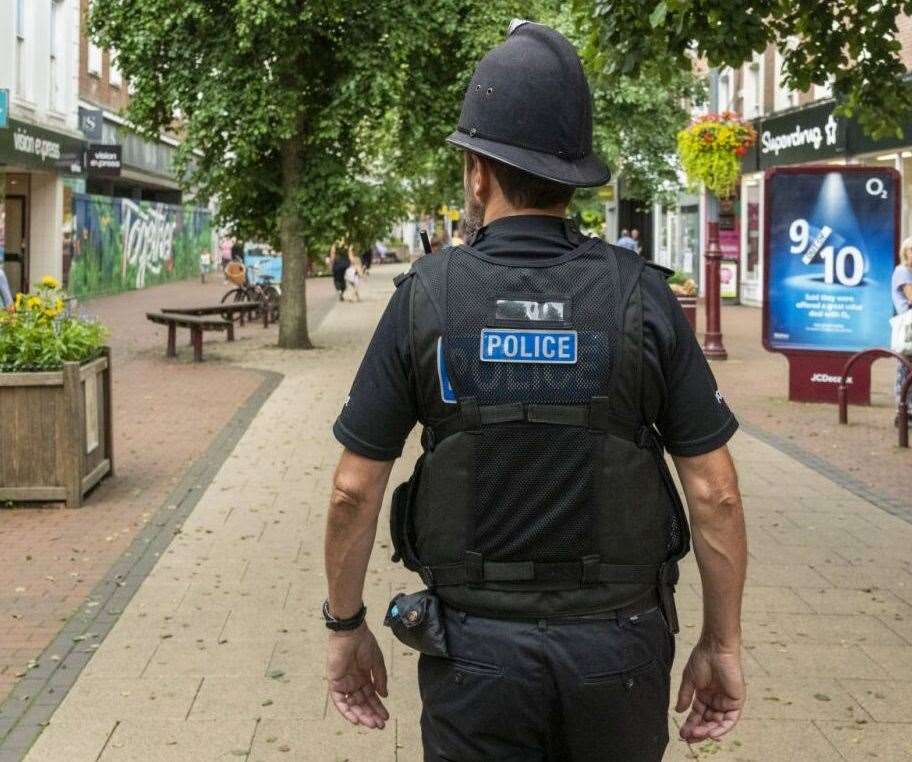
x=417, y=621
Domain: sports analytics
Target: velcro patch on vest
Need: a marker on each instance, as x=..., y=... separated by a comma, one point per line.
x=528, y=345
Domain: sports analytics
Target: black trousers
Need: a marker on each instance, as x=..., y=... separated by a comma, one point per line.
x=575, y=691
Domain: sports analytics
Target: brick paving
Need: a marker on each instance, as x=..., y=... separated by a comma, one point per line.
x=166, y=413
x=755, y=383
x=220, y=653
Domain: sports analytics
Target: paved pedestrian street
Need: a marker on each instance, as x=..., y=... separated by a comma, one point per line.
x=219, y=654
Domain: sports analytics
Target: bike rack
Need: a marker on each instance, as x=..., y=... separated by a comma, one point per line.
x=843, y=389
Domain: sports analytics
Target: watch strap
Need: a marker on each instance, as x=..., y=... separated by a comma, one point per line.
x=337, y=625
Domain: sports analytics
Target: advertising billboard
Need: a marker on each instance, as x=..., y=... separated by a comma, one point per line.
x=831, y=249
x=831, y=243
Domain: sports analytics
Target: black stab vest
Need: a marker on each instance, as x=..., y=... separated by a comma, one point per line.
x=542, y=490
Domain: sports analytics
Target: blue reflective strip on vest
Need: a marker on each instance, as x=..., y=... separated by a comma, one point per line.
x=527, y=345
x=447, y=392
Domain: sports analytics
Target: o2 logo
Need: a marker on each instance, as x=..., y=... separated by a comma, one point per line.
x=845, y=267
x=875, y=187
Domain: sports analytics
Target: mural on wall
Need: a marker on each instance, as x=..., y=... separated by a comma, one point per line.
x=120, y=244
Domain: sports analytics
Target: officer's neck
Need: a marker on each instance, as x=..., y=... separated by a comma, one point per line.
x=498, y=208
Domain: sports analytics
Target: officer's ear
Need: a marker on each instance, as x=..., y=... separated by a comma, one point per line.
x=478, y=177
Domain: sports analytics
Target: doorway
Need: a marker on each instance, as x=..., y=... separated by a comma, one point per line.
x=15, y=257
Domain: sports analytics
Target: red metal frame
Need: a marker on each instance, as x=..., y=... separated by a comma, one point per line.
x=767, y=193
x=875, y=354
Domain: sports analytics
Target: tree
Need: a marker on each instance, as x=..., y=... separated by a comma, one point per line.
x=637, y=115
x=303, y=119
x=853, y=41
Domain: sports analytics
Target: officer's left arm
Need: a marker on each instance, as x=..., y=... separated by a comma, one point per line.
x=355, y=668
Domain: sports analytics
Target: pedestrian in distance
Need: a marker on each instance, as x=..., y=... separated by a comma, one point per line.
x=367, y=259
x=6, y=296
x=550, y=372
x=353, y=280
x=901, y=291
x=627, y=241
x=339, y=261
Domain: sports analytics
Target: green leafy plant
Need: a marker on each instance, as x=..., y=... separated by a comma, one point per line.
x=711, y=148
x=36, y=334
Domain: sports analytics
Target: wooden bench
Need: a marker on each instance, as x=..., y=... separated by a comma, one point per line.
x=228, y=310
x=197, y=325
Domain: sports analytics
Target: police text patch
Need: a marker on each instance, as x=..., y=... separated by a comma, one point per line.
x=528, y=345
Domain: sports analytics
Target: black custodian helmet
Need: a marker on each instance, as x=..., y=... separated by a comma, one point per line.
x=528, y=105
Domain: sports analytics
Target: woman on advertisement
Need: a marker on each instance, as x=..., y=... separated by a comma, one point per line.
x=901, y=290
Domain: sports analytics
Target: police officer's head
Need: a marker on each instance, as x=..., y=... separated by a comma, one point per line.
x=526, y=125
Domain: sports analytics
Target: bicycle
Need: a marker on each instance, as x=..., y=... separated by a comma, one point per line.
x=263, y=291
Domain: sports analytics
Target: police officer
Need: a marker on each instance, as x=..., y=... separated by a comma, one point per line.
x=550, y=372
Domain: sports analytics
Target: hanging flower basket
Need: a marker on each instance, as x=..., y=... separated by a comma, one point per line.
x=711, y=148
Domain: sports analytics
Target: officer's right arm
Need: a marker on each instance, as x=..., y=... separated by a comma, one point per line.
x=712, y=686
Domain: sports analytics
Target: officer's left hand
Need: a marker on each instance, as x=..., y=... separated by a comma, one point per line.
x=712, y=688
x=357, y=677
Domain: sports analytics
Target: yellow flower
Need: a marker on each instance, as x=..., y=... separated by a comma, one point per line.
x=49, y=282
x=34, y=302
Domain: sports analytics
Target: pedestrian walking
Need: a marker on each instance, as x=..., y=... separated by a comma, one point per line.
x=626, y=241
x=6, y=297
x=339, y=262
x=550, y=371
x=901, y=291
x=353, y=280
x=367, y=259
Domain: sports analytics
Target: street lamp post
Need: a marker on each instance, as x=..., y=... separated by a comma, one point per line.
x=712, y=339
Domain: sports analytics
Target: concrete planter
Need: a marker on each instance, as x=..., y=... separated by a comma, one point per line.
x=55, y=432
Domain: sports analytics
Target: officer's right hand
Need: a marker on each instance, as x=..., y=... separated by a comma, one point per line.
x=712, y=687
x=357, y=677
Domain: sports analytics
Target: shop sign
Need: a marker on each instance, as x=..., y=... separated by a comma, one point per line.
x=29, y=146
x=103, y=160
x=831, y=241
x=808, y=135
x=4, y=108
x=91, y=121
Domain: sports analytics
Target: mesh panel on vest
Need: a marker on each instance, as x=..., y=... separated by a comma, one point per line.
x=533, y=492
x=473, y=283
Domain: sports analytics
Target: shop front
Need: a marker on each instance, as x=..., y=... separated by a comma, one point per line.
x=33, y=164
x=812, y=135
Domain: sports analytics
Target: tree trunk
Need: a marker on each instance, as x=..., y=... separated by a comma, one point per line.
x=293, y=332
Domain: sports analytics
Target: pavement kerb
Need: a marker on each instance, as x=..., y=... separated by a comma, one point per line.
x=836, y=475
x=36, y=696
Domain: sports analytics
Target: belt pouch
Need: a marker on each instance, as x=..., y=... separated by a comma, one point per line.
x=417, y=621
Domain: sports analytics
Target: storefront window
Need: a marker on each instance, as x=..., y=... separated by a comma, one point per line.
x=751, y=261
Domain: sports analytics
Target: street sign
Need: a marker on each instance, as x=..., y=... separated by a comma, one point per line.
x=103, y=160
x=4, y=108
x=606, y=193
x=832, y=234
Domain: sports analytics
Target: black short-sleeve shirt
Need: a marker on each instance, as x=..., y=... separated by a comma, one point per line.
x=693, y=417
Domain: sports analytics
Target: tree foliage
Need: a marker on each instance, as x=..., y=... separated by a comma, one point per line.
x=852, y=41
x=637, y=115
x=308, y=122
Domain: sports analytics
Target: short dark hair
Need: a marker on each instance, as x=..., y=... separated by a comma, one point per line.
x=527, y=191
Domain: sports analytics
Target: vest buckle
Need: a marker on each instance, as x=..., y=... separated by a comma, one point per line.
x=474, y=568
x=589, y=571
x=427, y=576
x=646, y=438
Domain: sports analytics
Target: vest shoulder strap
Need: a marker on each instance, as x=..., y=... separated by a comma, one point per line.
x=666, y=271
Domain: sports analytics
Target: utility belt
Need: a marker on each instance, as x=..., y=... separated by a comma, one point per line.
x=419, y=622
